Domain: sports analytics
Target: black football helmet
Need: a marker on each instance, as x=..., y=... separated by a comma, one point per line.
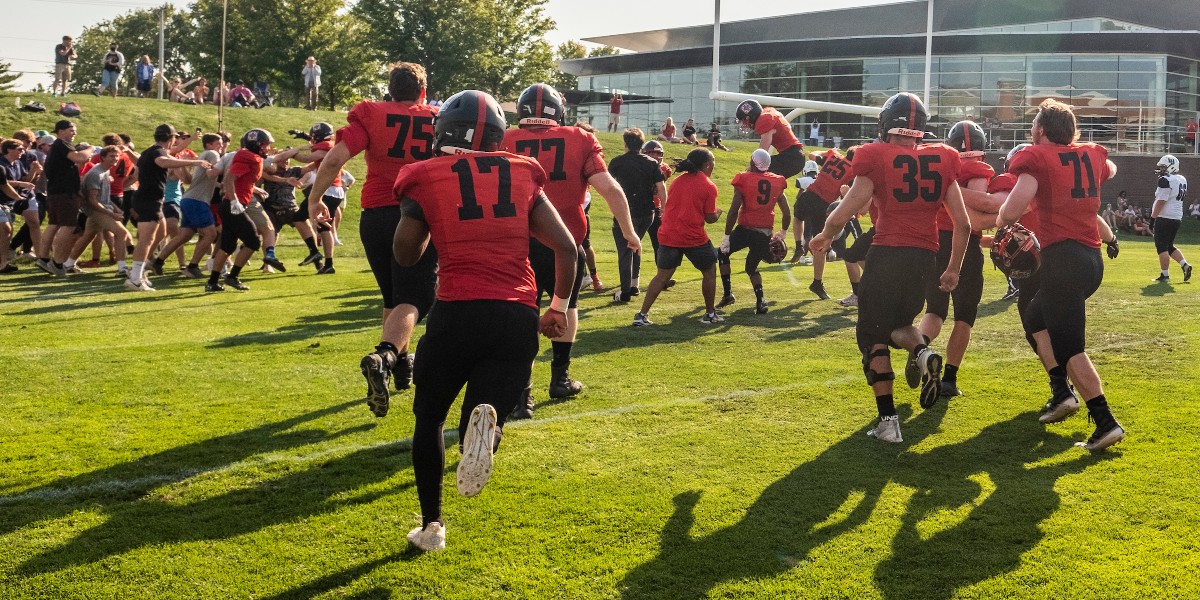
x=903, y=114
x=968, y=138
x=256, y=141
x=1016, y=251
x=748, y=112
x=469, y=121
x=320, y=132
x=540, y=104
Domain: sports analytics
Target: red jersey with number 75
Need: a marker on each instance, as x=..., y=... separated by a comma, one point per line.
x=1068, y=194
x=570, y=156
x=477, y=207
x=393, y=134
x=759, y=193
x=909, y=186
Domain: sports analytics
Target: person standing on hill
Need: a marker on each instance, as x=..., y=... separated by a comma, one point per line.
x=110, y=72
x=312, y=82
x=64, y=56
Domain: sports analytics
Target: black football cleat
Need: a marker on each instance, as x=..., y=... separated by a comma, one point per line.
x=402, y=372
x=275, y=263
x=818, y=288
x=561, y=384
x=912, y=372
x=726, y=300
x=235, y=283
x=375, y=371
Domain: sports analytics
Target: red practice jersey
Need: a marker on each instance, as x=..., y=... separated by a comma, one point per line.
x=771, y=120
x=477, y=208
x=570, y=156
x=1005, y=183
x=394, y=134
x=326, y=145
x=247, y=167
x=667, y=171
x=692, y=195
x=1068, y=195
x=968, y=171
x=910, y=184
x=834, y=172
x=759, y=193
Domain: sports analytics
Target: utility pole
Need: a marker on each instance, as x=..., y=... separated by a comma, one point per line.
x=162, y=36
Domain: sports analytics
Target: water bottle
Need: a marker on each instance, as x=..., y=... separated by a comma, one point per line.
x=18, y=102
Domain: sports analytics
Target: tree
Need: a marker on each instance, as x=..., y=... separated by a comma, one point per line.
x=603, y=51
x=568, y=50
x=136, y=32
x=7, y=77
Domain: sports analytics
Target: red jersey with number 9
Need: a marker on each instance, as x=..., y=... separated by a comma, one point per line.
x=570, y=156
x=394, y=134
x=909, y=186
x=759, y=193
x=1068, y=194
x=477, y=208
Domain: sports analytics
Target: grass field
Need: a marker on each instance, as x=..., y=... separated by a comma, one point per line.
x=184, y=445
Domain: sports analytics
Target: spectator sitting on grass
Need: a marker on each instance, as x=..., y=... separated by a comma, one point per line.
x=200, y=92
x=689, y=133
x=1141, y=227
x=175, y=90
x=241, y=95
x=668, y=131
x=714, y=138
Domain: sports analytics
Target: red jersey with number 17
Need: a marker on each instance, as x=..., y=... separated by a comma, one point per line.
x=772, y=120
x=834, y=172
x=570, y=156
x=909, y=186
x=393, y=134
x=759, y=193
x=1068, y=194
x=477, y=208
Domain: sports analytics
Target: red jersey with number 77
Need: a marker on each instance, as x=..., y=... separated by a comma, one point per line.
x=393, y=134
x=759, y=193
x=570, y=156
x=477, y=207
x=909, y=186
x=1068, y=194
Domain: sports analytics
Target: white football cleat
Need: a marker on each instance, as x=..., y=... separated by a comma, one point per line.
x=888, y=430
x=430, y=538
x=475, y=467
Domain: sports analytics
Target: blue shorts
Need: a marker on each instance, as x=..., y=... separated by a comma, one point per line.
x=109, y=79
x=196, y=214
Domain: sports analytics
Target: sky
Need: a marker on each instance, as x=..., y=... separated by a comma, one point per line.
x=35, y=26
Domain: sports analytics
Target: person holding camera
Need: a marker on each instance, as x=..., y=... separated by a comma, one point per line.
x=110, y=74
x=64, y=55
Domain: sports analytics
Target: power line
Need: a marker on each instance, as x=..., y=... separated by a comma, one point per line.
x=104, y=3
x=32, y=60
x=10, y=37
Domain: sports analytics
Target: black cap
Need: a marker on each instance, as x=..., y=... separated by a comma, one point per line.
x=163, y=132
x=63, y=124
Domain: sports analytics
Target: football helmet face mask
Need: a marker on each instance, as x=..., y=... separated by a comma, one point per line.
x=257, y=140
x=469, y=121
x=1016, y=251
x=903, y=114
x=320, y=132
x=1167, y=165
x=540, y=104
x=748, y=112
x=968, y=138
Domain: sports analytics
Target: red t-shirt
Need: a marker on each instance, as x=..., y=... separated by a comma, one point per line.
x=477, y=208
x=614, y=106
x=570, y=156
x=772, y=120
x=759, y=193
x=247, y=167
x=668, y=131
x=834, y=172
x=692, y=195
x=326, y=145
x=667, y=171
x=910, y=184
x=1068, y=195
x=394, y=134
x=968, y=171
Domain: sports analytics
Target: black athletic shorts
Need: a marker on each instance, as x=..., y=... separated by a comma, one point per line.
x=703, y=257
x=857, y=252
x=415, y=285
x=146, y=211
x=330, y=203
x=235, y=228
x=284, y=214
x=970, y=281
x=1070, y=274
x=541, y=259
x=789, y=163
x=1164, y=234
x=758, y=242
x=892, y=292
x=487, y=345
x=811, y=209
x=171, y=211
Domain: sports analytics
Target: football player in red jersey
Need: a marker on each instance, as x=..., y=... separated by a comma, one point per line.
x=814, y=202
x=1061, y=178
x=393, y=134
x=479, y=206
x=974, y=174
x=773, y=130
x=906, y=182
x=320, y=137
x=572, y=159
x=750, y=223
x=237, y=187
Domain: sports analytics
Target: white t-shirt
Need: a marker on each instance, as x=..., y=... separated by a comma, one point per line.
x=1171, y=191
x=804, y=182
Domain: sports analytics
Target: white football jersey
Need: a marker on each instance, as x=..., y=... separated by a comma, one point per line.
x=1172, y=189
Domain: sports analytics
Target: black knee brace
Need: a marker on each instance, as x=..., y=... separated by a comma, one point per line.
x=872, y=376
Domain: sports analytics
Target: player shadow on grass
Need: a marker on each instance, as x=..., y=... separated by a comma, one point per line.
x=837, y=492
x=1157, y=290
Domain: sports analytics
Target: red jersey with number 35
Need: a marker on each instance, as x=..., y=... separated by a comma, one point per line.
x=477, y=208
x=393, y=134
x=570, y=156
x=968, y=171
x=910, y=185
x=771, y=120
x=834, y=172
x=1068, y=194
x=759, y=193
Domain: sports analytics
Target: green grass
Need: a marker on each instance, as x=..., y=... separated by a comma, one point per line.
x=183, y=445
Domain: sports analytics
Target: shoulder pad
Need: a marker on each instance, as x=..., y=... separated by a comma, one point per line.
x=1164, y=182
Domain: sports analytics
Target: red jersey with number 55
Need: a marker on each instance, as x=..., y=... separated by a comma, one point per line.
x=477, y=208
x=570, y=156
x=910, y=185
x=1068, y=194
x=393, y=134
x=771, y=120
x=759, y=193
x=834, y=172
x=968, y=170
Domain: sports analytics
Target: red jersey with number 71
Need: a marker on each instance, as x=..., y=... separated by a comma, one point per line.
x=393, y=134
x=909, y=186
x=570, y=156
x=1068, y=194
x=759, y=193
x=477, y=207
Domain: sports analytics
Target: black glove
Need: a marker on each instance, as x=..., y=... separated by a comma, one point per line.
x=1114, y=248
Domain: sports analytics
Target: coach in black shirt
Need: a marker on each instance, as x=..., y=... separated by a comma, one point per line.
x=63, y=198
x=640, y=178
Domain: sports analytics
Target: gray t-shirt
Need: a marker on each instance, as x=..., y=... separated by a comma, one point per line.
x=203, y=186
x=98, y=179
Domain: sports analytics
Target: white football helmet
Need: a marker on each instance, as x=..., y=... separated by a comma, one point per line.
x=811, y=167
x=1168, y=164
